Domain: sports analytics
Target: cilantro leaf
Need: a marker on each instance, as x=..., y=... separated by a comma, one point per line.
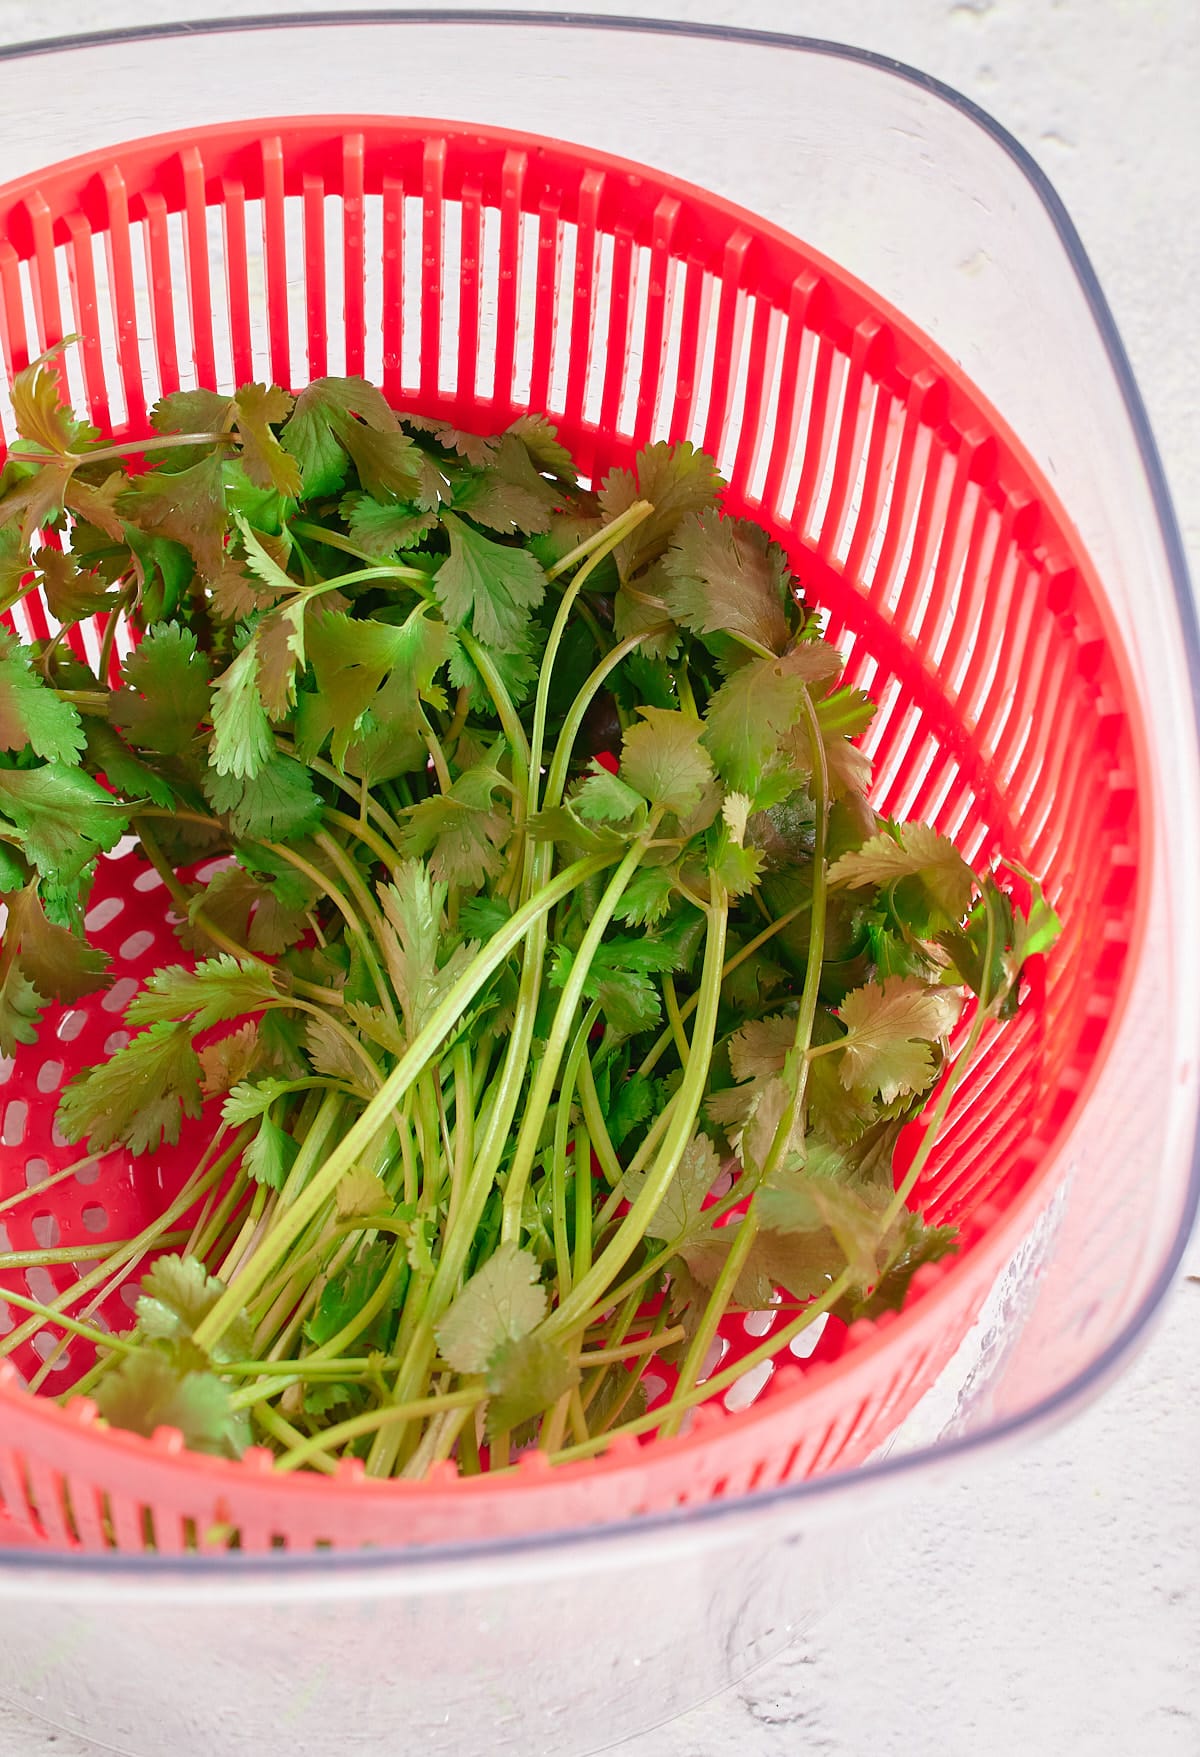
x=679, y=1217
x=279, y=644
x=347, y=1292
x=139, y=1096
x=250, y=1101
x=387, y=461
x=321, y=428
x=676, y=480
x=627, y=998
x=604, y=798
x=912, y=851
x=176, y=1294
x=562, y=824
x=166, y=691
x=330, y=1054
x=354, y=660
x=912, y=1244
x=482, y=917
x=798, y=1202
x=493, y=586
x=382, y=529
x=663, y=759
x=242, y=743
x=71, y=594
x=748, y=721
x=739, y=868
x=1036, y=928
x=838, y=1112
x=630, y=1104
x=259, y=408
x=540, y=439
x=727, y=577
x=517, y=669
x=20, y=1009
x=503, y=1301
x=262, y=903
x=270, y=1155
x=16, y=564
x=234, y=594
x=150, y=1390
x=187, y=506
x=463, y=832
x=216, y=990
x=525, y=1376
x=647, y=898
x=125, y=773
x=33, y=716
x=323, y=1397
x=231, y=1060
x=508, y=494
x=750, y=1111
x=476, y=448
x=413, y=906
x=639, y=607
x=191, y=411
x=279, y=804
x=362, y=1192
x=40, y=413
x=57, y=962
x=60, y=817
x=14, y=873
x=889, y=1028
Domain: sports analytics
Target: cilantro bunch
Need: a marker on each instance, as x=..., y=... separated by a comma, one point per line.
x=555, y=989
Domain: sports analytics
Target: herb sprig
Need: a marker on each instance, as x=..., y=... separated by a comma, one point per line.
x=556, y=990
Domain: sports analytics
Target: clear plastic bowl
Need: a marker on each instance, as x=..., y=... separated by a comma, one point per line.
x=571, y=1641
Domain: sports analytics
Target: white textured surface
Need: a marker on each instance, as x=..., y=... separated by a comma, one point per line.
x=1050, y=1602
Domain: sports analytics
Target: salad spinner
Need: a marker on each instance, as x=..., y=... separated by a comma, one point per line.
x=862, y=297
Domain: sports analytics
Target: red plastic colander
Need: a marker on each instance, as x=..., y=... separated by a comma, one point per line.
x=476, y=274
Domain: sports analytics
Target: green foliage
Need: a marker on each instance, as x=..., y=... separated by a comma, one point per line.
x=447, y=1012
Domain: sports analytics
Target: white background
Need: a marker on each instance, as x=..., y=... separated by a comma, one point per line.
x=1049, y=1604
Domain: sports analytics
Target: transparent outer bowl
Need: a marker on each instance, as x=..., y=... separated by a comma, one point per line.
x=566, y=1644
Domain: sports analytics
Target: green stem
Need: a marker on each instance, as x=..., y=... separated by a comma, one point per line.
x=464, y=1128
x=209, y=1229
x=391, y=1415
x=597, y=1357
x=593, y=1116
x=282, y=1430
x=48, y=1183
x=767, y=1350
x=146, y=1240
x=556, y=780
x=562, y=1130
x=595, y=549
x=510, y=720
x=793, y=1109
x=166, y=442
x=362, y=832
x=292, y=1222
x=89, y=1332
x=583, y=1202
x=937, y=1115
x=632, y=1228
x=73, y=1253
x=688, y=1007
x=362, y=938
x=601, y=542
x=745, y=1233
x=675, y=1019
x=556, y=1044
